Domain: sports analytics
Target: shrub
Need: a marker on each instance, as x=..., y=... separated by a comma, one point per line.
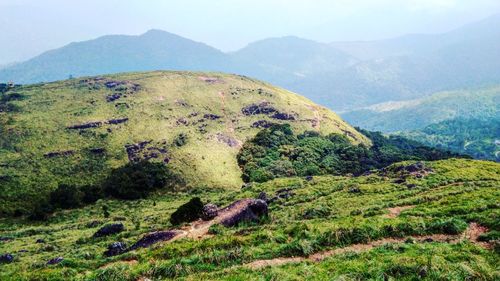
x=92, y=193
x=188, y=212
x=41, y=211
x=137, y=180
x=181, y=140
x=66, y=197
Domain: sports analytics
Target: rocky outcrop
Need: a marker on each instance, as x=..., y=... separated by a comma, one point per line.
x=58, y=154
x=115, y=248
x=153, y=238
x=55, y=261
x=146, y=150
x=243, y=210
x=256, y=109
x=264, y=124
x=110, y=229
x=6, y=258
x=228, y=140
x=209, y=212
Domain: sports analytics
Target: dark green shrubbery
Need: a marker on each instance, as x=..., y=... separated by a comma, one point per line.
x=132, y=181
x=181, y=139
x=136, y=180
x=66, y=197
x=277, y=152
x=188, y=212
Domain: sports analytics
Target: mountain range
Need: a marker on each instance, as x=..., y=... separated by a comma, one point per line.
x=339, y=75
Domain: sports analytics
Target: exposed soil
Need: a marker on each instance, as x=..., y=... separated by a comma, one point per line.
x=394, y=212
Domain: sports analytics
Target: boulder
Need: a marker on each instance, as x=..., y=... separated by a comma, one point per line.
x=109, y=229
x=209, y=212
x=263, y=196
x=6, y=258
x=153, y=238
x=243, y=210
x=115, y=248
x=55, y=260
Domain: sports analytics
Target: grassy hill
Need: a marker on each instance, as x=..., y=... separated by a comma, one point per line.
x=416, y=114
x=76, y=131
x=436, y=224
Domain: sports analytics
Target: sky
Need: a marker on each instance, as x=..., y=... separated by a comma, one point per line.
x=30, y=27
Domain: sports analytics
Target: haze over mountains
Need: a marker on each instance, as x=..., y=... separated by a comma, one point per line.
x=341, y=75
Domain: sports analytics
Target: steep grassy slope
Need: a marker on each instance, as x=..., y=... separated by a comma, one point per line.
x=481, y=103
x=380, y=226
x=75, y=131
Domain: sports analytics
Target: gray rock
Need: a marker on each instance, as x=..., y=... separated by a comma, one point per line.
x=109, y=229
x=115, y=248
x=209, y=212
x=55, y=260
x=6, y=258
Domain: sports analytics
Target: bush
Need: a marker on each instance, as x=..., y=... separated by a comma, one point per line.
x=41, y=211
x=137, y=180
x=66, y=197
x=188, y=212
x=181, y=140
x=92, y=193
x=277, y=152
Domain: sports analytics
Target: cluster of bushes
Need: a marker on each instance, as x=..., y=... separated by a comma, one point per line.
x=277, y=152
x=132, y=181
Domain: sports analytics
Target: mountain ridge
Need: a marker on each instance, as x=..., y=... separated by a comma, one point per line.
x=399, y=69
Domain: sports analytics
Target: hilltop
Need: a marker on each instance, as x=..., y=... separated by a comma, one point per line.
x=76, y=131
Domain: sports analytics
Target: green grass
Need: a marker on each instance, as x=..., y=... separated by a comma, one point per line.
x=42, y=112
x=321, y=215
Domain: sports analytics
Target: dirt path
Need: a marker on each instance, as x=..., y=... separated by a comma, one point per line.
x=472, y=233
x=394, y=212
x=199, y=229
x=229, y=123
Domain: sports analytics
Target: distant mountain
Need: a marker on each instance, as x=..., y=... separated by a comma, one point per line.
x=475, y=137
x=419, y=113
x=342, y=76
x=154, y=50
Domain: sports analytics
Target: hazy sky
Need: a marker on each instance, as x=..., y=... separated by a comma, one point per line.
x=29, y=27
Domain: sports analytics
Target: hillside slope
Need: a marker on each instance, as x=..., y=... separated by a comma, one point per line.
x=436, y=223
x=416, y=114
x=75, y=131
x=479, y=138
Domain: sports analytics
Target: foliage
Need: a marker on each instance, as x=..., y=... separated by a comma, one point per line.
x=187, y=212
x=475, y=137
x=276, y=152
x=136, y=180
x=66, y=197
